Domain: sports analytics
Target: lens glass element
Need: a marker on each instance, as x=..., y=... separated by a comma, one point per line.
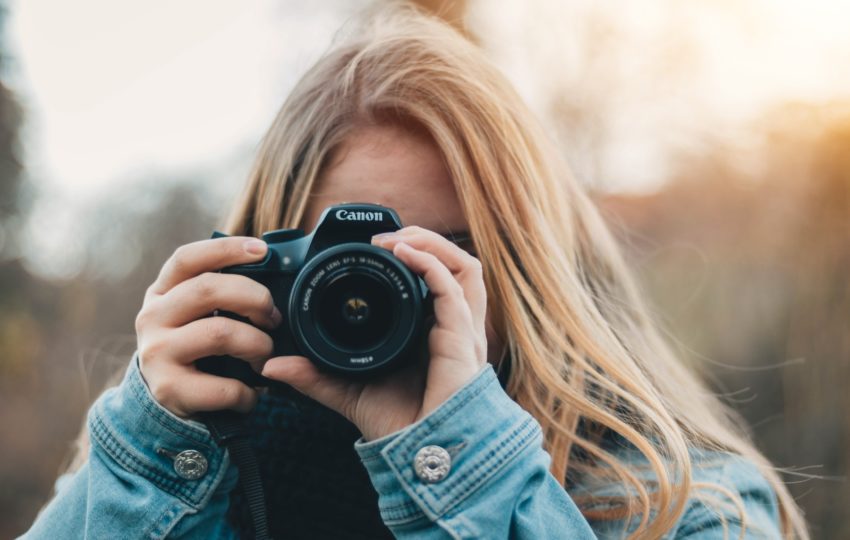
x=355, y=311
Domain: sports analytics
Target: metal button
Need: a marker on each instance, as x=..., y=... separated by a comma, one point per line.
x=190, y=464
x=432, y=463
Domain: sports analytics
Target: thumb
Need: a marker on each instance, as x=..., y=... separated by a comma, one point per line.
x=303, y=375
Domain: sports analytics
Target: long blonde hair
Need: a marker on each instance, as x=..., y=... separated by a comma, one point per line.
x=585, y=356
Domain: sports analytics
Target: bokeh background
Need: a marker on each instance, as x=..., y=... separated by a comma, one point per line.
x=714, y=135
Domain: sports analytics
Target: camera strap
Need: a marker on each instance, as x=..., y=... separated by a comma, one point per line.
x=227, y=428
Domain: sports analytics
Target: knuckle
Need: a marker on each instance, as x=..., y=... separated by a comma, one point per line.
x=265, y=300
x=259, y=346
x=218, y=330
x=204, y=285
x=229, y=394
x=180, y=258
x=263, y=344
x=151, y=349
x=146, y=318
x=151, y=291
x=164, y=390
x=142, y=320
x=269, y=346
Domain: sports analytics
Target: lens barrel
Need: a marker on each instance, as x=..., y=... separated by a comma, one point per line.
x=356, y=308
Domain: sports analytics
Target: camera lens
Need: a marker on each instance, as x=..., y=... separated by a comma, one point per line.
x=356, y=308
x=355, y=312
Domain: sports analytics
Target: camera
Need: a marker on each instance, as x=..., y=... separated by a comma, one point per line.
x=350, y=307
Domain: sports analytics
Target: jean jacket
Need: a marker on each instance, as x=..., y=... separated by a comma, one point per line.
x=475, y=467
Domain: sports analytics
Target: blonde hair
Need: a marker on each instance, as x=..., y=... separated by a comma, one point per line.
x=585, y=356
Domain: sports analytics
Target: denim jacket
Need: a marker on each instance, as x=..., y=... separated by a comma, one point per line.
x=495, y=482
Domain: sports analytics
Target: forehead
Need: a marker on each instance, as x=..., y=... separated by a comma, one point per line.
x=393, y=167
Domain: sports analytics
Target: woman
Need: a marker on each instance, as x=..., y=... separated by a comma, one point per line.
x=592, y=429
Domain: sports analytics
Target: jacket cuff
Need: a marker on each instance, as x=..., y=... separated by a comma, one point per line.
x=144, y=438
x=482, y=429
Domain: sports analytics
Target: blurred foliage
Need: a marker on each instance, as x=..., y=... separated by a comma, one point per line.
x=10, y=164
x=77, y=334
x=746, y=257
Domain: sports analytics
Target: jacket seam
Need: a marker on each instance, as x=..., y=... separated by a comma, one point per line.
x=109, y=442
x=482, y=469
x=401, y=513
x=170, y=517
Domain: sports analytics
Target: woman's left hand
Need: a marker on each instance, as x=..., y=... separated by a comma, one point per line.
x=457, y=343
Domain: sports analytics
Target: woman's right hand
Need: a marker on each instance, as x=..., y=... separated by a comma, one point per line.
x=174, y=327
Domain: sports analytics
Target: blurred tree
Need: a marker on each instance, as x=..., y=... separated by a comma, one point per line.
x=14, y=321
x=87, y=336
x=749, y=268
x=10, y=164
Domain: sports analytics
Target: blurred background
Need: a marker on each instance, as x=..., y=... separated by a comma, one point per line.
x=714, y=135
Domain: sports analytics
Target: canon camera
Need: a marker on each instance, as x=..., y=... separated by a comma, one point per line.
x=350, y=307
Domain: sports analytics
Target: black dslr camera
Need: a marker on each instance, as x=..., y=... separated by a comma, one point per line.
x=350, y=307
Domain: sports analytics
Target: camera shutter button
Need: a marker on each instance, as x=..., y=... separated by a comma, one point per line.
x=432, y=464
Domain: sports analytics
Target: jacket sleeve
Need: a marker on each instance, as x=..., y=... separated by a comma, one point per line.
x=483, y=472
x=495, y=482
x=135, y=482
x=716, y=517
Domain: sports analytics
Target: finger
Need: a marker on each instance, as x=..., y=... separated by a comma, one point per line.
x=455, y=259
x=196, y=391
x=465, y=268
x=201, y=295
x=210, y=336
x=300, y=373
x=450, y=307
x=196, y=258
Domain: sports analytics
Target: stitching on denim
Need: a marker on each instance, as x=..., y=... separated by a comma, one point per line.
x=367, y=459
x=403, y=512
x=109, y=442
x=418, y=433
x=404, y=523
x=442, y=523
x=516, y=435
x=508, y=448
x=458, y=526
x=520, y=438
x=161, y=527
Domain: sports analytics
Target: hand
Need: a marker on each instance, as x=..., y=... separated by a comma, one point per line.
x=174, y=328
x=457, y=343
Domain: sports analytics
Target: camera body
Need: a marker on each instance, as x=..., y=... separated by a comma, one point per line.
x=350, y=307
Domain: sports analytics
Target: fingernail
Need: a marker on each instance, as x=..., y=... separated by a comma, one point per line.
x=255, y=247
x=380, y=237
x=268, y=366
x=276, y=316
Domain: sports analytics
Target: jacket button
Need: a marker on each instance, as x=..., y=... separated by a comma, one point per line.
x=432, y=463
x=190, y=464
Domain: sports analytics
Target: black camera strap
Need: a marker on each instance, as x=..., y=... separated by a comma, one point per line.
x=227, y=428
